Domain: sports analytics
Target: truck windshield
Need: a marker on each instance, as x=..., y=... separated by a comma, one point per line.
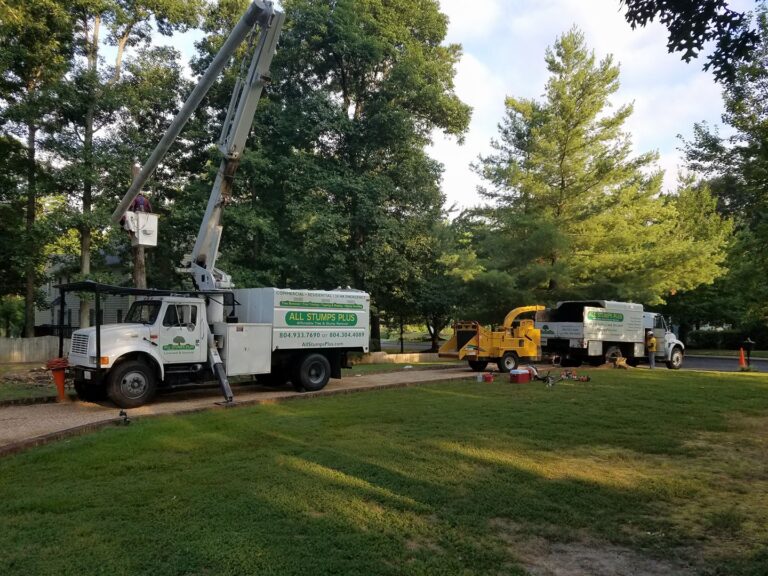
x=143, y=312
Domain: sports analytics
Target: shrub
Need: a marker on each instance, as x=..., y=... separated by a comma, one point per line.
x=728, y=339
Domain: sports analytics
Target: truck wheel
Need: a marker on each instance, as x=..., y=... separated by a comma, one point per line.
x=88, y=392
x=676, y=359
x=313, y=372
x=477, y=365
x=612, y=354
x=508, y=362
x=131, y=384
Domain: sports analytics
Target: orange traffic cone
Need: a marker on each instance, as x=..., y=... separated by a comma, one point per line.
x=742, y=362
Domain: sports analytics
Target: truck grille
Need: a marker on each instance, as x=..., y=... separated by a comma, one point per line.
x=79, y=344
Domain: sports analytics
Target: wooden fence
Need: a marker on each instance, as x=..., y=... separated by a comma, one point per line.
x=38, y=349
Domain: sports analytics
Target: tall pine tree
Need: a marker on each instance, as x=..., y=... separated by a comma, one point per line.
x=574, y=213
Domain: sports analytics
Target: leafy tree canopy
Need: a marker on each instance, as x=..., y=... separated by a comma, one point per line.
x=693, y=24
x=574, y=214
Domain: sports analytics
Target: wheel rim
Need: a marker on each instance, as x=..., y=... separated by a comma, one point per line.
x=509, y=362
x=677, y=358
x=316, y=373
x=134, y=384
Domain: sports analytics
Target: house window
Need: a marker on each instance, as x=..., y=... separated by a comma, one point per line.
x=69, y=317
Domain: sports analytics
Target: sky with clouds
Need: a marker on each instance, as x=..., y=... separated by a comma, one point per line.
x=504, y=43
x=503, y=54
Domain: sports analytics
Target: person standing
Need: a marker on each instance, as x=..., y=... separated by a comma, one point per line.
x=650, y=346
x=140, y=204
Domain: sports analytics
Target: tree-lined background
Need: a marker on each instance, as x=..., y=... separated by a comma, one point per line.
x=336, y=187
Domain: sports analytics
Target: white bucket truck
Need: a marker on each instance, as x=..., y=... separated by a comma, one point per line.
x=598, y=331
x=172, y=338
x=301, y=336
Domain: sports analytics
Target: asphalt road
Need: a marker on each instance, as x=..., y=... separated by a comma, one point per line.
x=693, y=362
x=720, y=363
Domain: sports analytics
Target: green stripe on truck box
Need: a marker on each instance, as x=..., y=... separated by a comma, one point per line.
x=337, y=305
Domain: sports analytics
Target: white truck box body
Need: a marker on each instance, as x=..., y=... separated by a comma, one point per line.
x=245, y=348
x=612, y=322
x=308, y=318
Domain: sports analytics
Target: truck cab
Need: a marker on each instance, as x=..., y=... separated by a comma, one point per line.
x=127, y=361
x=668, y=347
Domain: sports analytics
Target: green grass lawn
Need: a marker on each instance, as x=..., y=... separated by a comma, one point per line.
x=13, y=389
x=451, y=478
x=17, y=391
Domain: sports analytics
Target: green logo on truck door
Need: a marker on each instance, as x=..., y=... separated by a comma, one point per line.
x=605, y=316
x=179, y=345
x=320, y=318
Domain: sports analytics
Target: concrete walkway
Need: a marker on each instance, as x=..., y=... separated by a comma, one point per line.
x=24, y=426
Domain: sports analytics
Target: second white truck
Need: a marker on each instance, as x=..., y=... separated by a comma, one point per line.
x=597, y=331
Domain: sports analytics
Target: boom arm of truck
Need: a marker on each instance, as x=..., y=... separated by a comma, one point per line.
x=237, y=125
x=259, y=13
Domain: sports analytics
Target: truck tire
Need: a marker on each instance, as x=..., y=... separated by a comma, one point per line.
x=313, y=373
x=89, y=392
x=675, y=359
x=508, y=362
x=131, y=384
x=477, y=365
x=612, y=354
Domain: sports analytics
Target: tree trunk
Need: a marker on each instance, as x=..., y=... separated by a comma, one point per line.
x=434, y=333
x=402, y=344
x=139, y=268
x=375, y=345
x=29, y=269
x=139, y=262
x=85, y=228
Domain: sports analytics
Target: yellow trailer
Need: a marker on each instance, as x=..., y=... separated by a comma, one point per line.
x=518, y=340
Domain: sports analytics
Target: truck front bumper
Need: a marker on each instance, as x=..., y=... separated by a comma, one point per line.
x=94, y=376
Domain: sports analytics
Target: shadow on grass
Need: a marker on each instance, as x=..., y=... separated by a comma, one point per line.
x=392, y=482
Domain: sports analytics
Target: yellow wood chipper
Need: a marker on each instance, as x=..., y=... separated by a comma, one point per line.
x=517, y=340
